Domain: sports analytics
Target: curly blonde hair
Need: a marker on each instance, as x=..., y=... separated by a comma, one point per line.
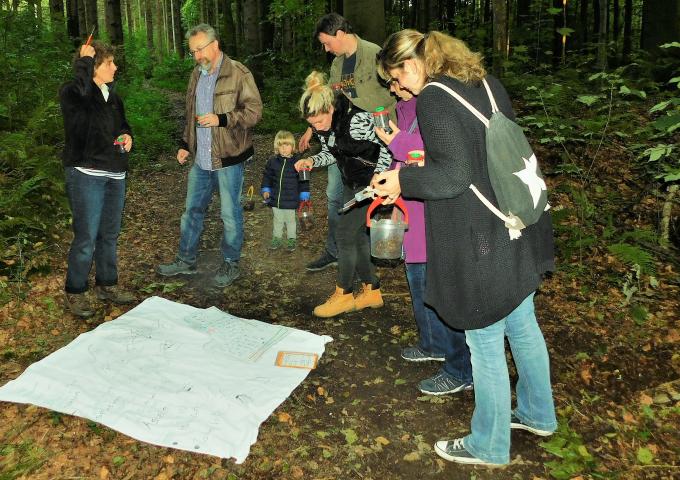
x=440, y=54
x=318, y=96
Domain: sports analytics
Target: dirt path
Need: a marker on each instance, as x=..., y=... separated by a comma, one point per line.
x=358, y=415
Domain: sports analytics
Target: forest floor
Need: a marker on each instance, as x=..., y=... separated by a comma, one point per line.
x=359, y=415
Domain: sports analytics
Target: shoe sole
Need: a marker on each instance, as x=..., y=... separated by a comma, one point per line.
x=424, y=359
x=318, y=269
x=468, y=461
x=369, y=306
x=81, y=315
x=104, y=298
x=189, y=272
x=448, y=392
x=535, y=431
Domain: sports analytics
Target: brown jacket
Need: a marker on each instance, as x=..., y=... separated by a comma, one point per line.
x=238, y=106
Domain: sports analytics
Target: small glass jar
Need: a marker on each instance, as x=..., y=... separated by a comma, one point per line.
x=381, y=119
x=415, y=158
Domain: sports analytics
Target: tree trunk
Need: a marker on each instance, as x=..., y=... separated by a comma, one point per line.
x=229, y=37
x=114, y=24
x=628, y=30
x=251, y=28
x=129, y=17
x=266, y=26
x=148, y=20
x=450, y=16
x=583, y=27
x=57, y=14
x=367, y=18
x=286, y=35
x=602, y=36
x=159, y=33
x=660, y=24
x=500, y=35
x=72, y=18
x=178, y=31
x=91, y=19
x=83, y=32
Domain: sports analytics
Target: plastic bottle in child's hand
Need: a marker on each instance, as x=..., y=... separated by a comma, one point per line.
x=120, y=141
x=381, y=119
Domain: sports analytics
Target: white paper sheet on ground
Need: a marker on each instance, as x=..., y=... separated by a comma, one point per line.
x=172, y=375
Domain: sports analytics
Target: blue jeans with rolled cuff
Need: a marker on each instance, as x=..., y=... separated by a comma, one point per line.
x=97, y=209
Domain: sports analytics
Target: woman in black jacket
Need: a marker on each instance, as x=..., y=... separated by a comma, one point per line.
x=478, y=280
x=347, y=137
x=97, y=141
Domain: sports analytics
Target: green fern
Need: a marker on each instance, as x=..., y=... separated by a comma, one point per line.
x=634, y=255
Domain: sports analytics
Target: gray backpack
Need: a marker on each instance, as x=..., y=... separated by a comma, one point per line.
x=516, y=179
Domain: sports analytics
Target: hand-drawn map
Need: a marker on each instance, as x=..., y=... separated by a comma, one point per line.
x=173, y=375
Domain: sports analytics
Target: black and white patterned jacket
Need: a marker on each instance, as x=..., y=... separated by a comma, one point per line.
x=352, y=143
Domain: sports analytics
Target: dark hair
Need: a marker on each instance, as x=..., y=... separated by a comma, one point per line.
x=331, y=23
x=102, y=51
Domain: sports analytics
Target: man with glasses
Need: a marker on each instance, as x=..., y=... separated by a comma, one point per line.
x=222, y=106
x=353, y=72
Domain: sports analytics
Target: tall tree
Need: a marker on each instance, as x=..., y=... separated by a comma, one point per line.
x=114, y=23
x=57, y=14
x=72, y=18
x=82, y=22
x=159, y=36
x=602, y=36
x=660, y=24
x=251, y=27
x=266, y=26
x=129, y=17
x=500, y=35
x=91, y=18
x=229, y=29
x=583, y=24
x=148, y=21
x=367, y=18
x=627, y=29
x=178, y=31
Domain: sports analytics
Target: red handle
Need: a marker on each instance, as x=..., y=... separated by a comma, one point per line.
x=378, y=201
x=305, y=203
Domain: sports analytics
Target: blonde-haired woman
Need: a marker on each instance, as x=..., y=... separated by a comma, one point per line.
x=347, y=137
x=478, y=280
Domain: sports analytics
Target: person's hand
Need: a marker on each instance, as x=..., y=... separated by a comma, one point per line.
x=87, y=51
x=303, y=144
x=386, y=185
x=127, y=142
x=304, y=163
x=266, y=195
x=387, y=137
x=182, y=156
x=207, y=120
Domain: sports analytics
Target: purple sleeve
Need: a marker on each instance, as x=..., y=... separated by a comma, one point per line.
x=404, y=142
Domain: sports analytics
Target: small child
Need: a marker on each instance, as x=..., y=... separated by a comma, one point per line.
x=282, y=189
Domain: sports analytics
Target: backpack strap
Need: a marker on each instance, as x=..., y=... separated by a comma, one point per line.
x=465, y=103
x=494, y=107
x=413, y=126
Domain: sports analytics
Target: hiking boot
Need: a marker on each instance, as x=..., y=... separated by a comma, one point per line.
x=292, y=245
x=369, y=297
x=517, y=424
x=178, y=267
x=441, y=384
x=114, y=294
x=276, y=243
x=226, y=274
x=417, y=354
x=455, y=451
x=324, y=261
x=339, y=302
x=78, y=304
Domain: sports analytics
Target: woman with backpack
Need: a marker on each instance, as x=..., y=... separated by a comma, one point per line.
x=478, y=278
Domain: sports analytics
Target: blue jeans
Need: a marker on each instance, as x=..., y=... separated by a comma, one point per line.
x=97, y=208
x=435, y=336
x=489, y=439
x=201, y=185
x=334, y=194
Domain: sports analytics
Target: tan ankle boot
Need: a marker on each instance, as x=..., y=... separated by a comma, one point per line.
x=339, y=302
x=368, y=297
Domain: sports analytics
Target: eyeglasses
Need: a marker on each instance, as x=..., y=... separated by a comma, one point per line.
x=193, y=53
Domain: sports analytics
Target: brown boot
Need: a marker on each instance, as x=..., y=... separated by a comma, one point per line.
x=78, y=304
x=339, y=302
x=368, y=297
x=114, y=294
